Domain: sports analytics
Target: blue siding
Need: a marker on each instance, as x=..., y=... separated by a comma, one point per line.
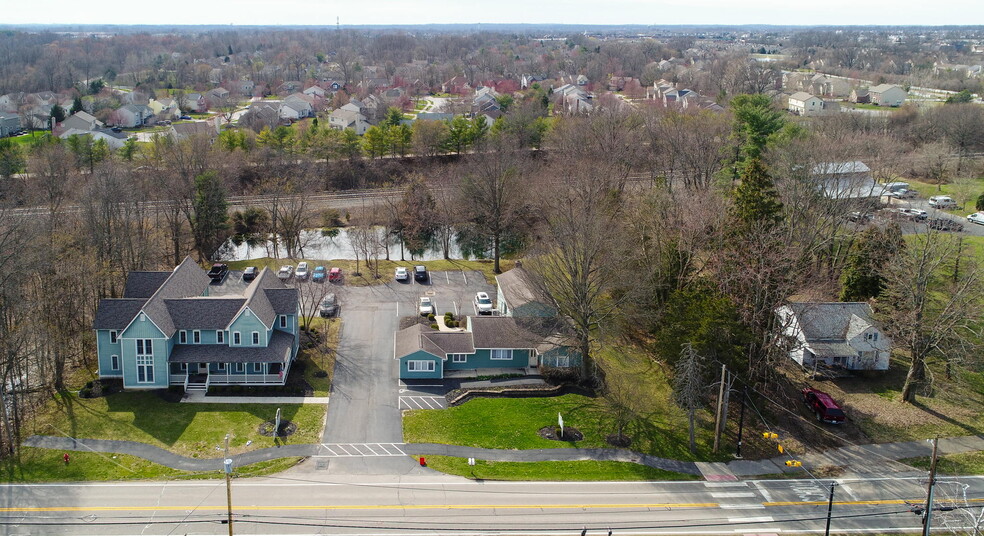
x=420, y=356
x=482, y=358
x=104, y=352
x=142, y=329
x=246, y=323
x=161, y=349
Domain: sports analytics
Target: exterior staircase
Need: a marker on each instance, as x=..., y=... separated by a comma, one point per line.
x=196, y=382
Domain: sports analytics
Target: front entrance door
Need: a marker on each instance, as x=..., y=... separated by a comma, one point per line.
x=203, y=368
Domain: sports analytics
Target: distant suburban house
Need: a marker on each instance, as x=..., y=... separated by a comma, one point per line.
x=491, y=343
x=348, y=117
x=180, y=328
x=194, y=102
x=457, y=84
x=859, y=96
x=315, y=91
x=165, y=108
x=835, y=335
x=217, y=97
x=802, y=103
x=297, y=106
x=261, y=115
x=81, y=121
x=291, y=86
x=434, y=116
x=887, y=95
x=9, y=123
x=846, y=180
x=181, y=131
x=114, y=140
x=245, y=87
x=132, y=115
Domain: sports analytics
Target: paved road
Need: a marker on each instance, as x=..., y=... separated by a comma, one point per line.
x=437, y=504
x=365, y=396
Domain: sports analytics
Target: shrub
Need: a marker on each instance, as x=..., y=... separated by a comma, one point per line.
x=321, y=374
x=85, y=392
x=431, y=316
x=434, y=326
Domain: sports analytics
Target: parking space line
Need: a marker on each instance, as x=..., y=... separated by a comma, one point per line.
x=448, y=277
x=429, y=405
x=368, y=446
x=463, y=274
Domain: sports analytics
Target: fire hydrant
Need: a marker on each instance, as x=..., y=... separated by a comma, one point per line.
x=67, y=458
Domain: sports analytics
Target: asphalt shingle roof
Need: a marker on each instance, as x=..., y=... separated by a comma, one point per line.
x=500, y=332
x=143, y=284
x=835, y=321
x=204, y=313
x=186, y=281
x=283, y=300
x=117, y=313
x=516, y=289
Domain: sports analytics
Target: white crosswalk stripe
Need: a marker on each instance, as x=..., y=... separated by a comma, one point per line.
x=423, y=402
x=360, y=450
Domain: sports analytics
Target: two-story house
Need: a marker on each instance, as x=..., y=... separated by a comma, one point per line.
x=181, y=328
x=838, y=334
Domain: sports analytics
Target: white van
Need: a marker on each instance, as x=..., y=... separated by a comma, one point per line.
x=942, y=202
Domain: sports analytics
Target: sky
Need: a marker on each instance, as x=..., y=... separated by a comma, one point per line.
x=650, y=12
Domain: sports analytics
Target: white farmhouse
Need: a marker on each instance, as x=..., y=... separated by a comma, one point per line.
x=834, y=334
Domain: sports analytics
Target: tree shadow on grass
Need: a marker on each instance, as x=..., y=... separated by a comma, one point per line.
x=973, y=430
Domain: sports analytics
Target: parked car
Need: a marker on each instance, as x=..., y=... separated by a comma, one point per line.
x=335, y=275
x=942, y=202
x=402, y=274
x=859, y=217
x=903, y=194
x=218, y=271
x=185, y=118
x=823, y=406
x=945, y=224
x=319, y=274
x=249, y=273
x=420, y=273
x=329, y=306
x=483, y=304
x=302, y=272
x=913, y=213
x=426, y=306
x=117, y=129
x=977, y=217
x=286, y=272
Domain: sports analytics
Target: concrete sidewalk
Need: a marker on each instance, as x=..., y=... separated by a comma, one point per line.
x=198, y=397
x=875, y=459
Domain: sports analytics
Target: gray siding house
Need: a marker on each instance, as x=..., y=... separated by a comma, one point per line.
x=835, y=334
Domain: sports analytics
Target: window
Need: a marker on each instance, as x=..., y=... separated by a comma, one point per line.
x=145, y=347
x=183, y=337
x=220, y=337
x=145, y=369
x=220, y=367
x=114, y=362
x=257, y=367
x=113, y=336
x=239, y=367
x=256, y=338
x=236, y=339
x=184, y=367
x=502, y=355
x=459, y=358
x=283, y=321
x=196, y=336
x=143, y=317
x=420, y=366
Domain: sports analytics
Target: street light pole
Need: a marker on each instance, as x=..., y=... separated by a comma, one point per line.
x=227, y=463
x=741, y=421
x=927, y=513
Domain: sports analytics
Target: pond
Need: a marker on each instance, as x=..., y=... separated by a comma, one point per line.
x=317, y=244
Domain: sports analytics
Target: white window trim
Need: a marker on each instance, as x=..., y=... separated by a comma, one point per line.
x=114, y=336
x=196, y=336
x=283, y=321
x=219, y=337
x=459, y=358
x=257, y=367
x=114, y=362
x=220, y=367
x=239, y=367
x=146, y=363
x=424, y=364
x=137, y=344
x=237, y=338
x=255, y=338
x=492, y=356
x=183, y=337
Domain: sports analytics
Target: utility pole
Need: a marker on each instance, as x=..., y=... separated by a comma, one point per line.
x=830, y=508
x=927, y=513
x=741, y=421
x=720, y=405
x=228, y=474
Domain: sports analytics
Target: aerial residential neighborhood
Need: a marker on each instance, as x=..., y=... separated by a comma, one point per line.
x=382, y=276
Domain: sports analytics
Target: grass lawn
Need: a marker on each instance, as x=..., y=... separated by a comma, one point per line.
x=573, y=471
x=655, y=425
x=43, y=465
x=971, y=463
x=193, y=430
x=321, y=358
x=386, y=268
